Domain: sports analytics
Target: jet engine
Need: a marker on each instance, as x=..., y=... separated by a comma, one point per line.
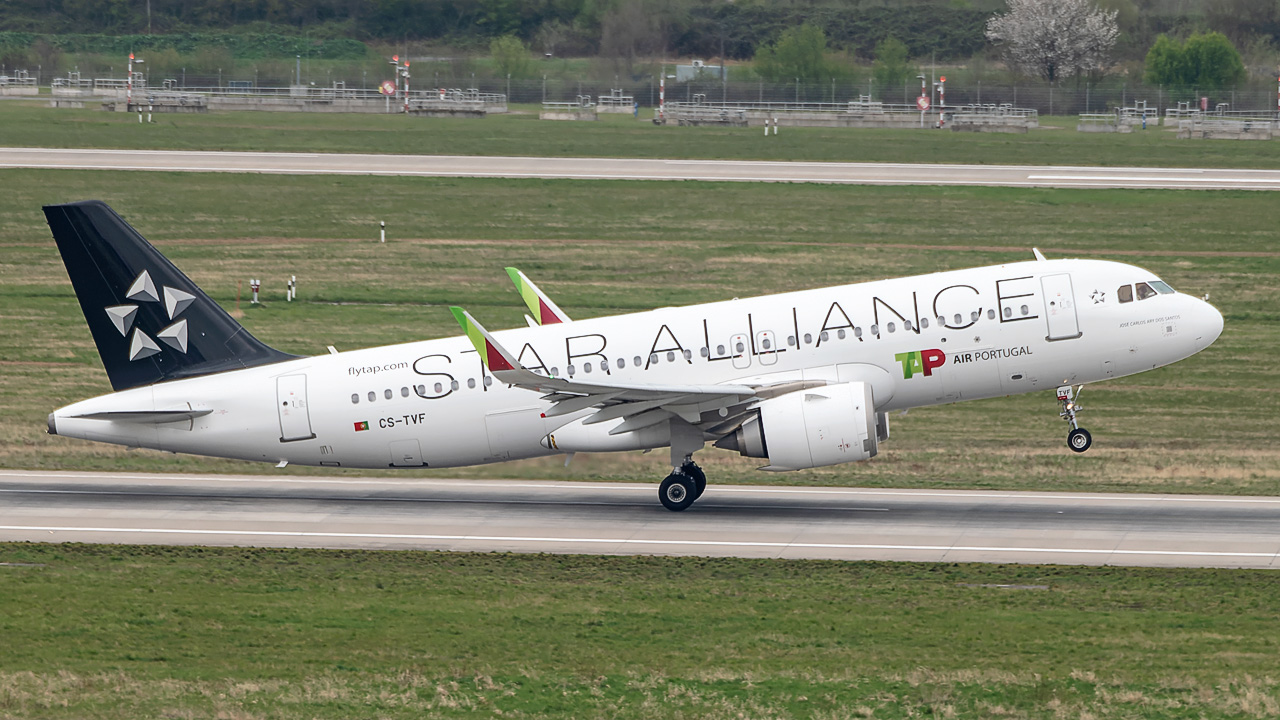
x=810, y=428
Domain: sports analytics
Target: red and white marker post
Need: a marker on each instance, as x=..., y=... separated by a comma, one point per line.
x=942, y=100
x=662, y=99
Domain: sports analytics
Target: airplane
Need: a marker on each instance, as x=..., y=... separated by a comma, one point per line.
x=800, y=379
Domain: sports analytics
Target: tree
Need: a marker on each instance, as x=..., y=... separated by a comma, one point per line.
x=1212, y=61
x=1207, y=61
x=510, y=56
x=1053, y=39
x=800, y=53
x=891, y=68
x=1165, y=61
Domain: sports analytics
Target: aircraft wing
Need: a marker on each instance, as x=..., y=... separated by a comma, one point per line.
x=714, y=408
x=544, y=310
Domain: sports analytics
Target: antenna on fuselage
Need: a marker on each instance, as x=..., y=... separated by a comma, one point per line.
x=1039, y=255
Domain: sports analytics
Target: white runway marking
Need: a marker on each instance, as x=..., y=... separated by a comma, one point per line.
x=632, y=541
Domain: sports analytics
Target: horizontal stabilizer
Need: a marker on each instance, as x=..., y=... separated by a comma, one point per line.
x=145, y=417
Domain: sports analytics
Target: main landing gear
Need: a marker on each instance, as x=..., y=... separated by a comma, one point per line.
x=1078, y=439
x=684, y=485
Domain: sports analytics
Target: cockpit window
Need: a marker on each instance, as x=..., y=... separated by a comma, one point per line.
x=1125, y=293
x=1162, y=287
x=1145, y=291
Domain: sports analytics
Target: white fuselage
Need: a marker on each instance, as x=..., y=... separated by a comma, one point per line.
x=923, y=340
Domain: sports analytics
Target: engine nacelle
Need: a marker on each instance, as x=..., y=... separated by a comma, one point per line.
x=821, y=426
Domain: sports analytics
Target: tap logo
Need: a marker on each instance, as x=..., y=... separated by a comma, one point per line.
x=175, y=301
x=919, y=362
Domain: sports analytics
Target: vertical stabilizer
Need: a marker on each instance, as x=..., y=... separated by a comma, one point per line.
x=149, y=321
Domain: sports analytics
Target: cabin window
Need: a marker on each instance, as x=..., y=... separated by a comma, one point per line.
x=959, y=319
x=991, y=314
x=942, y=322
x=586, y=367
x=439, y=388
x=688, y=354
x=571, y=369
x=387, y=393
x=488, y=381
x=1125, y=293
x=653, y=358
x=637, y=361
x=1162, y=287
x=973, y=316
x=471, y=383
x=555, y=372
x=372, y=396
x=892, y=327
x=767, y=345
x=622, y=363
x=857, y=331
x=791, y=340
x=924, y=322
x=875, y=329
x=1025, y=310
x=1144, y=291
x=671, y=356
x=825, y=336
x=420, y=389
x=906, y=325
x=404, y=391
x=808, y=339
x=1008, y=312
x=355, y=398
x=454, y=386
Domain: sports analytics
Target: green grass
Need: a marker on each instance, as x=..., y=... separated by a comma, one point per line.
x=30, y=124
x=1207, y=424
x=142, y=632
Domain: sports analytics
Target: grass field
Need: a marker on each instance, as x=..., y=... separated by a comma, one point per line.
x=111, y=632
x=1207, y=424
x=32, y=124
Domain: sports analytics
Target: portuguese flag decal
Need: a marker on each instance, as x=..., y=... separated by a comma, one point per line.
x=362, y=425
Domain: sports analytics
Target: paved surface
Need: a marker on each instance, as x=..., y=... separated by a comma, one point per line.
x=639, y=169
x=563, y=517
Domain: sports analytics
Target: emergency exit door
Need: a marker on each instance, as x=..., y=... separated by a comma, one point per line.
x=291, y=402
x=1060, y=307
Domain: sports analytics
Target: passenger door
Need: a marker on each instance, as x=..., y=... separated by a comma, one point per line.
x=1060, y=307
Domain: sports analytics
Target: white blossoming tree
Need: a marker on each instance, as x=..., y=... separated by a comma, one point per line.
x=1053, y=39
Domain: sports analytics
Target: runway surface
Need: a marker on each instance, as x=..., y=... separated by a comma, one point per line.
x=608, y=518
x=641, y=169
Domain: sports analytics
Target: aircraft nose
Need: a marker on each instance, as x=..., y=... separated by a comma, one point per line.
x=1208, y=324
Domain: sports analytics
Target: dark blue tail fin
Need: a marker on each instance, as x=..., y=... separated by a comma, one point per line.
x=150, y=322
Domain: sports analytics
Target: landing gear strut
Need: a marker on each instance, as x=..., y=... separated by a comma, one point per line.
x=684, y=485
x=1078, y=439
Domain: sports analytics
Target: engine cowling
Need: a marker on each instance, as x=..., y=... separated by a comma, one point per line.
x=811, y=428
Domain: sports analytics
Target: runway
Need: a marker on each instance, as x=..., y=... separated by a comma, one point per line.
x=641, y=169
x=616, y=518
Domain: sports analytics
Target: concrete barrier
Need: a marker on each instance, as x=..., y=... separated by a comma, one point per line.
x=1009, y=125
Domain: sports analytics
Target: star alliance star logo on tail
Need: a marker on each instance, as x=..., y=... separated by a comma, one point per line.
x=141, y=345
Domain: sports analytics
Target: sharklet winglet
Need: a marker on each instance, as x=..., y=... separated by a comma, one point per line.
x=543, y=309
x=494, y=356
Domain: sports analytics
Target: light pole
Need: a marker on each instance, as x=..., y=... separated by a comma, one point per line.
x=922, y=101
x=297, y=71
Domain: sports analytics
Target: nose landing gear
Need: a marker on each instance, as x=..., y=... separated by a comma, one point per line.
x=684, y=485
x=1078, y=439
